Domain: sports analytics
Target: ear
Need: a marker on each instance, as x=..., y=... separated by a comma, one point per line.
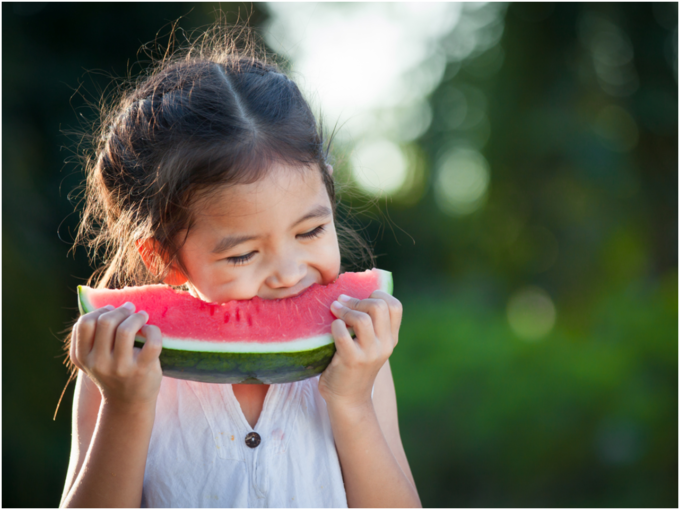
x=329, y=168
x=148, y=250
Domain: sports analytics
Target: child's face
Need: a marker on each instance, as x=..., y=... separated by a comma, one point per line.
x=272, y=239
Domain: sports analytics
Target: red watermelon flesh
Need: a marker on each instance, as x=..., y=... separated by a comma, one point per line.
x=189, y=323
x=253, y=342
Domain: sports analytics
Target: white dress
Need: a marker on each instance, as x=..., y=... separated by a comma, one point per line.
x=198, y=455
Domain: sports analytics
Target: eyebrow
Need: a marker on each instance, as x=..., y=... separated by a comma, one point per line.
x=320, y=211
x=228, y=242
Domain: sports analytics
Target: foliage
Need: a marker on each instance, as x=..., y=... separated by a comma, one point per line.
x=576, y=419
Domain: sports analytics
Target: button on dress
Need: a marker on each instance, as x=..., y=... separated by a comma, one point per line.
x=203, y=452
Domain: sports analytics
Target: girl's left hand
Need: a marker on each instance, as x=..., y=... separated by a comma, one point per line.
x=349, y=378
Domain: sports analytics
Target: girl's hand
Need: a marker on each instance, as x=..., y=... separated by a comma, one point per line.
x=349, y=378
x=103, y=347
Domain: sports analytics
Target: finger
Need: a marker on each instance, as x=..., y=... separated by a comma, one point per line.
x=361, y=323
x=125, y=336
x=396, y=311
x=152, y=346
x=72, y=348
x=107, y=323
x=349, y=301
x=344, y=343
x=377, y=309
x=83, y=334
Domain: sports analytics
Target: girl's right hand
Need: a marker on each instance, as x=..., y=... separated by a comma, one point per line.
x=102, y=346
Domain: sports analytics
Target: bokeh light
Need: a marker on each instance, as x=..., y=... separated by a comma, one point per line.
x=461, y=181
x=531, y=313
x=619, y=442
x=379, y=167
x=359, y=62
x=612, y=54
x=362, y=73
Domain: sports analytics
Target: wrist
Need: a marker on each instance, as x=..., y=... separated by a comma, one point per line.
x=128, y=409
x=351, y=409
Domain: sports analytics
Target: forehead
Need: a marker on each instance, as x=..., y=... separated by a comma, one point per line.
x=283, y=193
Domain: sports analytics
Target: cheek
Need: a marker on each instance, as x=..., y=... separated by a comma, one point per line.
x=191, y=259
x=221, y=287
x=329, y=259
x=243, y=288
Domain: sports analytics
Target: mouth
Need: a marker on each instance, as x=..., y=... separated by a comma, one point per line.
x=290, y=292
x=294, y=292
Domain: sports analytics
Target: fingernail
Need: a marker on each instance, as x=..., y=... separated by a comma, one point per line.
x=109, y=307
x=336, y=305
x=343, y=298
x=144, y=312
x=129, y=306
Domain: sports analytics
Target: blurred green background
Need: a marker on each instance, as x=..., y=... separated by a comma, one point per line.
x=533, y=240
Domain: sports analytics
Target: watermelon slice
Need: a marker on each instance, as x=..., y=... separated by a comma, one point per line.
x=253, y=341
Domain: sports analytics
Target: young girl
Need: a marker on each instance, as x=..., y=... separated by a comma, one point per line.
x=211, y=176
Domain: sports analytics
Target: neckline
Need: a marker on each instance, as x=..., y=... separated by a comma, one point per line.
x=264, y=413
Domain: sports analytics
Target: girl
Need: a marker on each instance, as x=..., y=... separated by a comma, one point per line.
x=211, y=176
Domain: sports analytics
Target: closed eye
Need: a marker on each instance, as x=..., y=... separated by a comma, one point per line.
x=241, y=259
x=313, y=233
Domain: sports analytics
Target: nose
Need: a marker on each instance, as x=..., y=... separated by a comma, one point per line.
x=286, y=274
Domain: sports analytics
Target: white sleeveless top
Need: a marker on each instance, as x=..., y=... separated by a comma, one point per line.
x=198, y=456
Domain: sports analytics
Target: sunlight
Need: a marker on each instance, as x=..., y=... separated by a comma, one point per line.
x=368, y=68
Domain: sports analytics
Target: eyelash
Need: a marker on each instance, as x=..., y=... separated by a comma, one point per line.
x=242, y=259
x=313, y=233
x=237, y=261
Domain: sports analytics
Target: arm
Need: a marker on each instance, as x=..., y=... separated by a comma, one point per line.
x=86, y=401
x=114, y=417
x=374, y=465
x=366, y=431
x=112, y=471
x=385, y=403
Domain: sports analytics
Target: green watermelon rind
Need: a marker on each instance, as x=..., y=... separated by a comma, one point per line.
x=243, y=367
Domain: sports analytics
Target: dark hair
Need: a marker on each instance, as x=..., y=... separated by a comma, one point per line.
x=206, y=116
